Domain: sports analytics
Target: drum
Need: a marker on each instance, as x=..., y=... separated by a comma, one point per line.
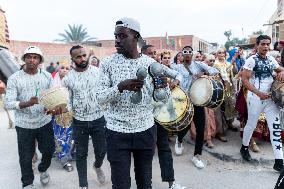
x=64, y=120
x=177, y=113
x=54, y=97
x=277, y=93
x=207, y=92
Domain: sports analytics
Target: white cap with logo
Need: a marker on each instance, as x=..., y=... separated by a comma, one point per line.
x=128, y=23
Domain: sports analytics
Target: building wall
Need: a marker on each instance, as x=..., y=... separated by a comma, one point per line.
x=54, y=52
x=172, y=43
x=57, y=52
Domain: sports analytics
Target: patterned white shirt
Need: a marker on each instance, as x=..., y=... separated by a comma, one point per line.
x=122, y=115
x=82, y=86
x=20, y=88
x=262, y=72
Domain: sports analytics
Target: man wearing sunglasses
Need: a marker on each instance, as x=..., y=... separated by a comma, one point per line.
x=191, y=70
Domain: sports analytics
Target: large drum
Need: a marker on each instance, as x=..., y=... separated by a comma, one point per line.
x=207, y=92
x=177, y=113
x=54, y=97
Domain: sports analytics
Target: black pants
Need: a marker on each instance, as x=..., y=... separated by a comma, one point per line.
x=81, y=132
x=165, y=154
x=26, y=149
x=280, y=181
x=119, y=149
x=199, y=121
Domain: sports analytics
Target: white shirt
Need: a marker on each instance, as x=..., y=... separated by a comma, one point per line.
x=262, y=70
x=82, y=86
x=20, y=88
x=194, y=68
x=122, y=115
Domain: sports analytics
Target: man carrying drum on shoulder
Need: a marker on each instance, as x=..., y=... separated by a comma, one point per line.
x=191, y=70
x=31, y=121
x=164, y=150
x=257, y=77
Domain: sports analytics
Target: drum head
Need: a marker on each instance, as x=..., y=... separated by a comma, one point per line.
x=200, y=91
x=174, y=109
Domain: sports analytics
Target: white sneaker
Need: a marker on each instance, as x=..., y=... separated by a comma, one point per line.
x=31, y=186
x=177, y=186
x=197, y=162
x=178, y=147
x=44, y=178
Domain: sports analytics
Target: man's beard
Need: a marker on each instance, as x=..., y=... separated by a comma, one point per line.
x=82, y=65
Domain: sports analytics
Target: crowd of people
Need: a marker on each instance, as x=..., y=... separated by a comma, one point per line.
x=101, y=106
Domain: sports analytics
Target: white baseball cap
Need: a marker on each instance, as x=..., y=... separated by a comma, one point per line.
x=128, y=23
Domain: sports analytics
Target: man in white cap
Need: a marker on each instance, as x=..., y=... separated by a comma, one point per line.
x=31, y=121
x=130, y=125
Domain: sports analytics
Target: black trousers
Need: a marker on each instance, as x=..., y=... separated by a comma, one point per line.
x=165, y=154
x=199, y=121
x=120, y=146
x=280, y=181
x=26, y=149
x=81, y=132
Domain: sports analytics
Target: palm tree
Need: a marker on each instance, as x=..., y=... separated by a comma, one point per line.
x=75, y=34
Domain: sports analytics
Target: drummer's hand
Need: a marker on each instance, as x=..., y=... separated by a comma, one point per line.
x=263, y=96
x=174, y=84
x=33, y=100
x=199, y=75
x=55, y=111
x=280, y=76
x=130, y=85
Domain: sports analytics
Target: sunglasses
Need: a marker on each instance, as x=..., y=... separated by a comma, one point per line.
x=221, y=52
x=211, y=60
x=186, y=52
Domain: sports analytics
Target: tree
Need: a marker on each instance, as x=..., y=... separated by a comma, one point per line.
x=234, y=42
x=75, y=34
x=259, y=32
x=228, y=34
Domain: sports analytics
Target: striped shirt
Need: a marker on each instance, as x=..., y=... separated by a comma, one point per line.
x=189, y=73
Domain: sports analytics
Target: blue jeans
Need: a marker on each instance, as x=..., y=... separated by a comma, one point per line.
x=81, y=132
x=119, y=149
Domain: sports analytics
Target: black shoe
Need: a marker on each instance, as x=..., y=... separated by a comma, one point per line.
x=245, y=153
x=278, y=165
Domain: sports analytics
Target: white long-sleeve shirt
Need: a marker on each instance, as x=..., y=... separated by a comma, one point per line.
x=20, y=88
x=122, y=115
x=82, y=86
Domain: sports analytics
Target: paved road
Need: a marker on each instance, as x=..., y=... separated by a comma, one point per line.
x=218, y=174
